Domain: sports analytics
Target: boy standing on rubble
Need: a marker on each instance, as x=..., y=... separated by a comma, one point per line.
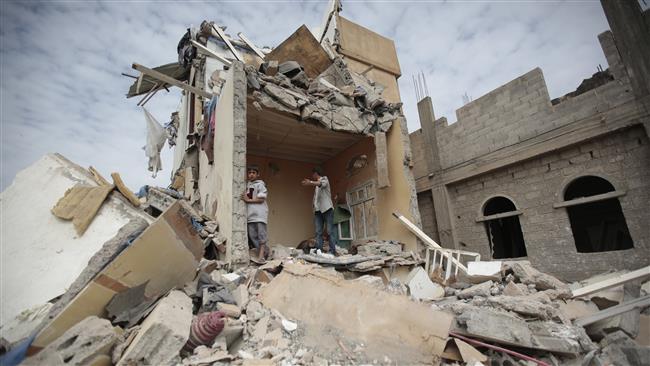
x=323, y=208
x=257, y=210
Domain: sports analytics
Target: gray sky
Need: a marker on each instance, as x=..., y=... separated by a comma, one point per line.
x=60, y=62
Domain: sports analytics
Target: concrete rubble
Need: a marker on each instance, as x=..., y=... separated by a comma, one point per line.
x=162, y=288
x=376, y=304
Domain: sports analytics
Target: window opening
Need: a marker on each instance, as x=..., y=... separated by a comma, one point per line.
x=504, y=233
x=597, y=226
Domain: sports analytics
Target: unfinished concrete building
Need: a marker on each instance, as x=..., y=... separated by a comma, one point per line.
x=330, y=100
x=562, y=182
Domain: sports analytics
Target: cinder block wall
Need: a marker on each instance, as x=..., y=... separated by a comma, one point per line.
x=429, y=225
x=521, y=109
x=622, y=158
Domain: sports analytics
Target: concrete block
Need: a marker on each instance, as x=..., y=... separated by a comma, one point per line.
x=482, y=289
x=421, y=287
x=79, y=345
x=163, y=332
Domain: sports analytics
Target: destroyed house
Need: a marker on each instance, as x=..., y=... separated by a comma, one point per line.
x=562, y=182
x=329, y=100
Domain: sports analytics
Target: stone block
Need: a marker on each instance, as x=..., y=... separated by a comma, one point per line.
x=421, y=287
x=80, y=345
x=163, y=333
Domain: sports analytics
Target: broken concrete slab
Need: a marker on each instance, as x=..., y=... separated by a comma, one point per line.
x=481, y=271
x=163, y=333
x=41, y=254
x=387, y=324
x=482, y=289
x=302, y=47
x=379, y=248
x=529, y=275
x=170, y=242
x=421, y=287
x=79, y=345
x=16, y=329
x=523, y=306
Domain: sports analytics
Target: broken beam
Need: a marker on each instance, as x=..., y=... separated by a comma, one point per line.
x=250, y=44
x=611, y=282
x=427, y=240
x=126, y=192
x=211, y=53
x=641, y=302
x=170, y=80
x=225, y=38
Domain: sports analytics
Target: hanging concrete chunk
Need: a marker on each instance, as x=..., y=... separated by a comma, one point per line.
x=163, y=333
x=82, y=344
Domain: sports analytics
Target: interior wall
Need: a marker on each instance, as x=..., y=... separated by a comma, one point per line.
x=290, y=203
x=336, y=168
x=222, y=182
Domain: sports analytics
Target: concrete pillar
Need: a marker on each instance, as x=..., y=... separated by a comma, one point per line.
x=427, y=117
x=444, y=217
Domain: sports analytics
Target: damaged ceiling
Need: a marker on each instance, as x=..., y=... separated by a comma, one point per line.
x=277, y=135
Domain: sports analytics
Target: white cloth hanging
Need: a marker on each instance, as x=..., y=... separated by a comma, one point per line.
x=156, y=137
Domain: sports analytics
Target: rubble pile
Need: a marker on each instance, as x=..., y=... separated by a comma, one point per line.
x=338, y=99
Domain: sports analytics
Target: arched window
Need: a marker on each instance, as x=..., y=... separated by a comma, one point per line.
x=501, y=220
x=595, y=214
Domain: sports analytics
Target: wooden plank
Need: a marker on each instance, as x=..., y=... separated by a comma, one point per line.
x=211, y=53
x=170, y=80
x=152, y=90
x=613, y=311
x=99, y=179
x=126, y=192
x=596, y=198
x=427, y=240
x=219, y=33
x=611, y=282
x=498, y=216
x=80, y=204
x=251, y=45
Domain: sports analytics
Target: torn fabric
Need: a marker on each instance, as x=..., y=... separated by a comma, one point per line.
x=156, y=136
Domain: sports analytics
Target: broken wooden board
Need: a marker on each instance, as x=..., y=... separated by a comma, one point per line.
x=126, y=192
x=303, y=48
x=99, y=179
x=390, y=325
x=611, y=282
x=613, y=311
x=80, y=204
x=459, y=350
x=171, y=242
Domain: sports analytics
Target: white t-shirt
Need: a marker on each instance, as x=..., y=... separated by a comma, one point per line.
x=257, y=212
x=323, y=196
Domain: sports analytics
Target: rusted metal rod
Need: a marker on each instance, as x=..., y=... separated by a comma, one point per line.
x=497, y=348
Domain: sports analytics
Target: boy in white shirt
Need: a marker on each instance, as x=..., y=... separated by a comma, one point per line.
x=257, y=211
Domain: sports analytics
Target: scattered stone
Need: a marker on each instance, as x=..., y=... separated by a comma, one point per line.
x=372, y=281
x=289, y=326
x=230, y=310
x=513, y=289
